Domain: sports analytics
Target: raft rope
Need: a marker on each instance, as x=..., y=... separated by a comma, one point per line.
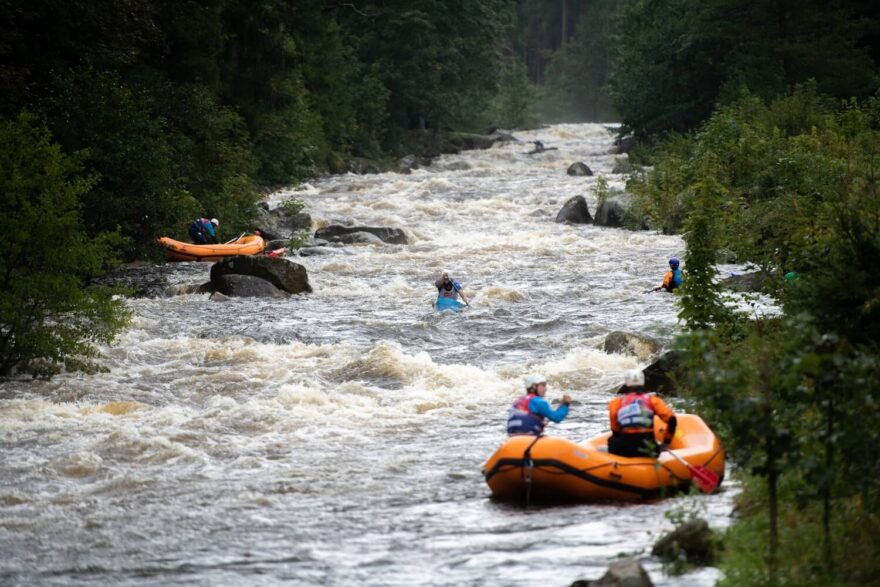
x=527, y=465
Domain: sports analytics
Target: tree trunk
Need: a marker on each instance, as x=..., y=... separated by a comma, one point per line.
x=564, y=25
x=826, y=490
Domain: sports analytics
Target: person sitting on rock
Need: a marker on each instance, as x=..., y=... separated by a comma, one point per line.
x=632, y=419
x=673, y=278
x=203, y=231
x=448, y=291
x=529, y=413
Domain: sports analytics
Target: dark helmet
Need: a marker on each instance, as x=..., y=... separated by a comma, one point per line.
x=673, y=262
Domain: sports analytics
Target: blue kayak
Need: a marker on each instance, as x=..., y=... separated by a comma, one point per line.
x=448, y=304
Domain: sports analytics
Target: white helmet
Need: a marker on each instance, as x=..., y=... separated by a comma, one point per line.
x=634, y=378
x=534, y=379
x=215, y=222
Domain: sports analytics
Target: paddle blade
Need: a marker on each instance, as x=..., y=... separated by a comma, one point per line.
x=706, y=479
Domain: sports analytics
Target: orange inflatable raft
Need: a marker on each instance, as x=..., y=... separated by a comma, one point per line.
x=179, y=251
x=547, y=468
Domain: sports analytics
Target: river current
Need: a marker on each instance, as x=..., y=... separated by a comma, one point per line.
x=337, y=438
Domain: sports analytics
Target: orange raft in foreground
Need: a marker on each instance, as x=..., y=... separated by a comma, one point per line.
x=179, y=251
x=547, y=468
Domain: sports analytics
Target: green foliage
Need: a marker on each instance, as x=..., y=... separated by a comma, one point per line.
x=128, y=147
x=185, y=108
x=784, y=170
x=298, y=239
x=677, y=60
x=801, y=556
x=49, y=318
x=790, y=186
x=601, y=189
x=292, y=206
x=514, y=105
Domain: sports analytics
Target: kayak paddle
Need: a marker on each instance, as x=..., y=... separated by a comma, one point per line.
x=706, y=479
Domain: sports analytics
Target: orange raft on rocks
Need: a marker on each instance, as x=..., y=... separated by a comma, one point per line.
x=551, y=469
x=179, y=251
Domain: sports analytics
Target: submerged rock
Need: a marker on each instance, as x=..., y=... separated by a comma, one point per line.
x=358, y=238
x=612, y=212
x=247, y=286
x=747, y=282
x=283, y=274
x=394, y=236
x=692, y=542
x=406, y=164
x=277, y=224
x=315, y=251
x=361, y=166
x=156, y=281
x=575, y=211
x=622, y=165
x=660, y=376
x=579, y=168
x=629, y=343
x=622, y=573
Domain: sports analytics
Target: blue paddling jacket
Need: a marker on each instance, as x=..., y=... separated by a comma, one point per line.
x=528, y=414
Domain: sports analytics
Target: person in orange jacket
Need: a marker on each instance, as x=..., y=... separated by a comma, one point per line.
x=673, y=278
x=632, y=419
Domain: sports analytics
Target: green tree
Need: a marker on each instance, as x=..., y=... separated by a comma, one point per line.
x=49, y=317
x=677, y=60
x=514, y=105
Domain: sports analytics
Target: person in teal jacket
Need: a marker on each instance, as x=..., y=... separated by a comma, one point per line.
x=529, y=413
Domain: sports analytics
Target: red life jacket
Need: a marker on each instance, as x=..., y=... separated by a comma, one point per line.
x=521, y=420
x=636, y=414
x=522, y=404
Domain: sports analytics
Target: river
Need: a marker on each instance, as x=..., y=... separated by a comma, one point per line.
x=337, y=438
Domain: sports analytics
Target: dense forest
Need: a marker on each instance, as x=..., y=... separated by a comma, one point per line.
x=758, y=125
x=763, y=121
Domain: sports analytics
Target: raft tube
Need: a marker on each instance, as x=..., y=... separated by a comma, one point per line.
x=179, y=251
x=550, y=469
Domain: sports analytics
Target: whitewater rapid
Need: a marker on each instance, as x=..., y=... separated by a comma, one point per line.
x=337, y=437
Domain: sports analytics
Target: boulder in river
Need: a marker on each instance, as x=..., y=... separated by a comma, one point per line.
x=621, y=573
x=467, y=141
x=623, y=166
x=692, y=542
x=629, y=343
x=747, y=282
x=283, y=274
x=660, y=376
x=575, y=211
x=358, y=238
x=579, y=168
x=316, y=251
x=361, y=166
x=277, y=223
x=246, y=286
x=611, y=212
x=623, y=144
x=393, y=236
x=405, y=165
x=725, y=257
